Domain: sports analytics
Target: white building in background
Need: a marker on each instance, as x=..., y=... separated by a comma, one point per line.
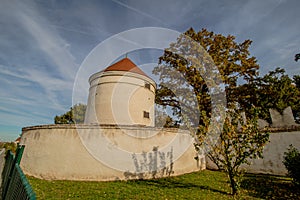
x=121, y=94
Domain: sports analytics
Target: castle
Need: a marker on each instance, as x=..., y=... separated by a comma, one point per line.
x=118, y=140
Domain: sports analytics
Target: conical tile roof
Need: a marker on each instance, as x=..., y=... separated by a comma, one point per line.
x=125, y=65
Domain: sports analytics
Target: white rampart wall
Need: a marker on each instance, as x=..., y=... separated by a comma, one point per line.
x=272, y=154
x=57, y=152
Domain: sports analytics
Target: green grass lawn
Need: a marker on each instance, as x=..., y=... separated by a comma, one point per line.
x=200, y=185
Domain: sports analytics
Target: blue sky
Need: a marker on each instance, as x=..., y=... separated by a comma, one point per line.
x=43, y=43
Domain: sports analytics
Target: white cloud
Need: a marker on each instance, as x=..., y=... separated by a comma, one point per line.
x=48, y=83
x=33, y=93
x=48, y=40
x=35, y=89
x=139, y=11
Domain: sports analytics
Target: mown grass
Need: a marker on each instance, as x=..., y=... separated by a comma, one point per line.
x=200, y=185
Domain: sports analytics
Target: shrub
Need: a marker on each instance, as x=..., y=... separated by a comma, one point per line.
x=292, y=163
x=9, y=146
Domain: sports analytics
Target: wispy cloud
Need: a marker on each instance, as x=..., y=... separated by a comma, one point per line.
x=31, y=93
x=48, y=40
x=244, y=16
x=24, y=80
x=144, y=14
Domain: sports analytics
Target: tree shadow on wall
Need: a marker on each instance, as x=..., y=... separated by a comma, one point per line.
x=269, y=187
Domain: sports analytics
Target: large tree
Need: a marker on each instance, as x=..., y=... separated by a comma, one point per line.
x=76, y=114
x=234, y=65
x=232, y=59
x=183, y=70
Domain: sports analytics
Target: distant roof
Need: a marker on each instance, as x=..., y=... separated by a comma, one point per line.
x=18, y=140
x=125, y=65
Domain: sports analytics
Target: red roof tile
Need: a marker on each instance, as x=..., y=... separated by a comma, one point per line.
x=125, y=65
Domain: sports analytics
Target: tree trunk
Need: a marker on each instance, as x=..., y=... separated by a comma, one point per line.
x=233, y=184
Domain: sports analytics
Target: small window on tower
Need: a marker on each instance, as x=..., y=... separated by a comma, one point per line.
x=147, y=85
x=146, y=114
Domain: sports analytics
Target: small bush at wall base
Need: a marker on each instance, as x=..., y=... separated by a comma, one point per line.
x=292, y=163
x=9, y=146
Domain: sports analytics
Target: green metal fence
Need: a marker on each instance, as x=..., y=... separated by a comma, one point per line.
x=15, y=186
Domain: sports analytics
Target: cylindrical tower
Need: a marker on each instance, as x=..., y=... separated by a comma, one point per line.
x=121, y=94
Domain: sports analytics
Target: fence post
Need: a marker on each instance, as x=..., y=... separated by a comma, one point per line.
x=7, y=172
x=19, y=154
x=15, y=184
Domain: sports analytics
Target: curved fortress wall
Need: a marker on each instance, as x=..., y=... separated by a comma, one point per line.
x=88, y=152
x=57, y=152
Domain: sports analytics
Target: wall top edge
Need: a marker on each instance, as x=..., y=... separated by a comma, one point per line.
x=138, y=127
x=96, y=126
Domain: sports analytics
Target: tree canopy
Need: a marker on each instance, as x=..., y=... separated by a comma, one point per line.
x=233, y=62
x=181, y=78
x=239, y=71
x=76, y=114
x=276, y=90
x=240, y=141
x=296, y=80
x=297, y=57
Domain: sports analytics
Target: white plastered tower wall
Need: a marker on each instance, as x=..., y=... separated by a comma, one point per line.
x=121, y=97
